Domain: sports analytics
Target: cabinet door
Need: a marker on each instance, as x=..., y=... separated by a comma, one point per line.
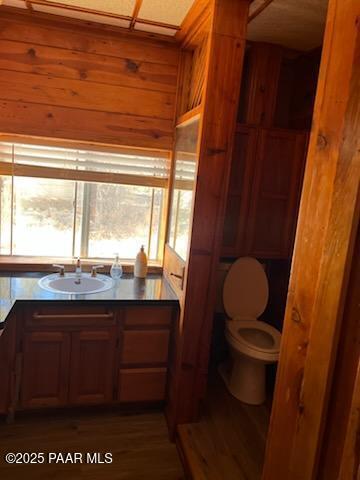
x=275, y=197
x=92, y=366
x=240, y=183
x=45, y=369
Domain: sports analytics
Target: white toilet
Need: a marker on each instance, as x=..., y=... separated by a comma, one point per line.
x=252, y=343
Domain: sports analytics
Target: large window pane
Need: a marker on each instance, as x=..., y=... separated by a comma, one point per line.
x=43, y=217
x=184, y=184
x=119, y=219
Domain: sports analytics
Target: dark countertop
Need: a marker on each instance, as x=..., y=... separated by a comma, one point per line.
x=24, y=287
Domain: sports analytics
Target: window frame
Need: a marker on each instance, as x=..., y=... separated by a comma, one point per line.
x=23, y=170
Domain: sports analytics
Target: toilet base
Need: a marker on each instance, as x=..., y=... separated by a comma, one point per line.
x=245, y=380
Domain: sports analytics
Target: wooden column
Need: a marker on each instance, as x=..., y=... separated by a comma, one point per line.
x=328, y=222
x=226, y=46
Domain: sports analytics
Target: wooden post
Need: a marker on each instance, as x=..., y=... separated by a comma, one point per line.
x=328, y=222
x=224, y=61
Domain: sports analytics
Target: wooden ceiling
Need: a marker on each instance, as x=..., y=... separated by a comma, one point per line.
x=296, y=24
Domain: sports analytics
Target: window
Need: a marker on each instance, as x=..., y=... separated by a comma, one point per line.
x=66, y=202
x=183, y=185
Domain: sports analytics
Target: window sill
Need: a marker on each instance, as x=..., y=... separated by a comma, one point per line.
x=45, y=264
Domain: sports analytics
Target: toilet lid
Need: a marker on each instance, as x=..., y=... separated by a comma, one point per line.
x=246, y=289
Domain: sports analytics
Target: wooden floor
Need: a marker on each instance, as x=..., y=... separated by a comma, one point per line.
x=229, y=441
x=139, y=445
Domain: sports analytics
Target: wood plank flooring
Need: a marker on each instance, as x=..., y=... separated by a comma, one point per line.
x=229, y=441
x=139, y=445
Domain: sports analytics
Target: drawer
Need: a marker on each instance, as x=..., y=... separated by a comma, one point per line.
x=142, y=385
x=68, y=316
x=145, y=347
x=148, y=316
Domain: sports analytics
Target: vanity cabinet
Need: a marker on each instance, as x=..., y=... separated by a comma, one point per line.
x=92, y=366
x=82, y=355
x=264, y=192
x=144, y=354
x=46, y=362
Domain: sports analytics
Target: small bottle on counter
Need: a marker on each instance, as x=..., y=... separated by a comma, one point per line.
x=140, y=267
x=116, y=270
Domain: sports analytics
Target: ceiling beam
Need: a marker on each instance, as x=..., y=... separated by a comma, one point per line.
x=135, y=13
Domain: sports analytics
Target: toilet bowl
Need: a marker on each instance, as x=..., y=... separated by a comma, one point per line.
x=252, y=343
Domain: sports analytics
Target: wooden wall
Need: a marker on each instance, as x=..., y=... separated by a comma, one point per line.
x=73, y=81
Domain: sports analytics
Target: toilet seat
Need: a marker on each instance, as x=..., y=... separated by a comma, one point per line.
x=245, y=296
x=254, y=335
x=252, y=343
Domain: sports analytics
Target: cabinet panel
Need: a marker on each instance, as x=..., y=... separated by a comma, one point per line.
x=142, y=384
x=148, y=316
x=92, y=366
x=145, y=347
x=276, y=192
x=45, y=369
x=240, y=183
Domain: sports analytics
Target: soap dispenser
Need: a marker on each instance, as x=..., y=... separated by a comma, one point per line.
x=140, y=267
x=116, y=270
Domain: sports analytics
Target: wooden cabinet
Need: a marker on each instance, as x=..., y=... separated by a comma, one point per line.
x=144, y=355
x=92, y=366
x=46, y=360
x=80, y=355
x=264, y=192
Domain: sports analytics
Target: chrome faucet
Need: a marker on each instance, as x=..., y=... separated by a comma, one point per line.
x=78, y=271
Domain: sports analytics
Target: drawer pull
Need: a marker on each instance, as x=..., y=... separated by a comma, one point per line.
x=180, y=277
x=75, y=316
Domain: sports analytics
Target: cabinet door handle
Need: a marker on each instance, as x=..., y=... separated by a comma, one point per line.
x=180, y=277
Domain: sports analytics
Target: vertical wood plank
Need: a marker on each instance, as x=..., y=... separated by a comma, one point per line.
x=328, y=221
x=226, y=46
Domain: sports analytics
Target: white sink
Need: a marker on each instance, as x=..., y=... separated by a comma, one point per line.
x=55, y=283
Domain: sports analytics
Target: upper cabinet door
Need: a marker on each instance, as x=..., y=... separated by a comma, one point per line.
x=272, y=217
x=240, y=184
x=92, y=366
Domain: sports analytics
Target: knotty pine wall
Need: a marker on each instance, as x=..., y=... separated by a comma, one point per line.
x=73, y=81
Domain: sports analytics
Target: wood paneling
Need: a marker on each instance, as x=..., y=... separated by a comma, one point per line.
x=68, y=64
x=92, y=366
x=240, y=187
x=343, y=390
x=264, y=70
x=17, y=117
x=197, y=74
x=328, y=222
x=220, y=98
x=76, y=84
x=273, y=205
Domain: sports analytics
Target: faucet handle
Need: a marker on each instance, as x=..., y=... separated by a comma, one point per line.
x=94, y=269
x=62, y=269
